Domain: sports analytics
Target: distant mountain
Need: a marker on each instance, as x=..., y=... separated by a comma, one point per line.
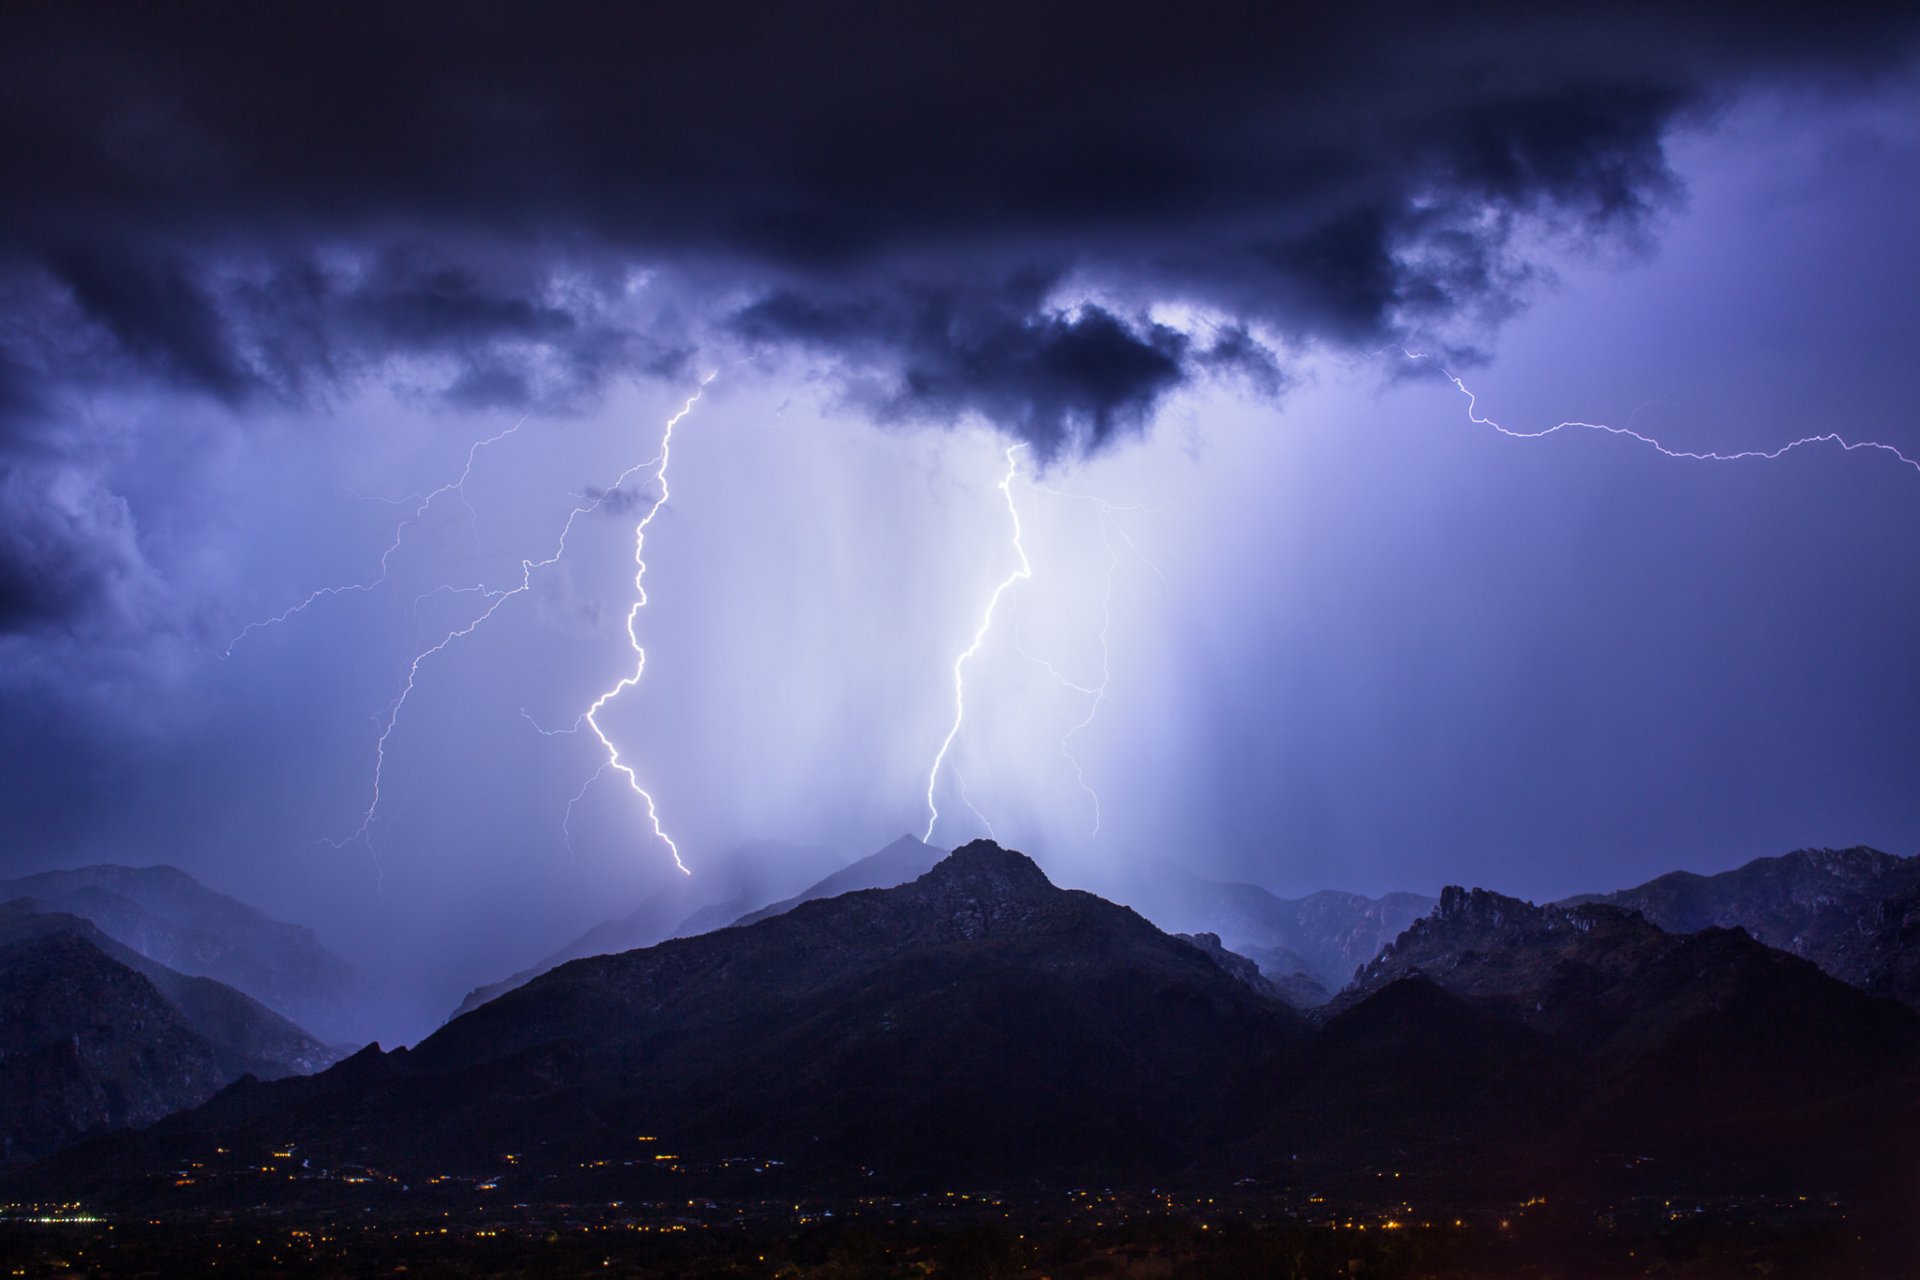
x=1296, y=989
x=1854, y=912
x=713, y=897
x=1324, y=936
x=168, y=916
x=905, y=859
x=95, y=1036
x=1708, y=1052
x=978, y=1022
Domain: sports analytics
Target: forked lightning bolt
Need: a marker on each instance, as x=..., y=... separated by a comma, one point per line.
x=1693, y=455
x=1097, y=693
x=423, y=502
x=498, y=597
x=591, y=716
x=1110, y=528
x=1020, y=574
x=1108, y=514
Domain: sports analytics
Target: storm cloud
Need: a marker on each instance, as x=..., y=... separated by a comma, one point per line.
x=970, y=212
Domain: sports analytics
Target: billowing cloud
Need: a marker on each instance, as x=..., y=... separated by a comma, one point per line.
x=70, y=558
x=969, y=211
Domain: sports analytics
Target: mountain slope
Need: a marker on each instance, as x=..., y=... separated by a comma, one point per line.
x=168, y=916
x=905, y=859
x=1840, y=908
x=683, y=907
x=978, y=1022
x=95, y=1036
x=1709, y=1053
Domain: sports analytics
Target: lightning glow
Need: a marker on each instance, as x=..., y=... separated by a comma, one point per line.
x=591, y=717
x=1020, y=574
x=1108, y=514
x=1692, y=455
x=497, y=597
x=456, y=486
x=1098, y=692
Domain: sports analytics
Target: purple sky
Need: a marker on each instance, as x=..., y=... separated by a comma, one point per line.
x=1356, y=640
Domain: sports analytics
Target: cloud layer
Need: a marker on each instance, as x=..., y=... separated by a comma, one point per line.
x=979, y=211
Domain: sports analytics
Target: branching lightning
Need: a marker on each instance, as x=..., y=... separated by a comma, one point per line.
x=1111, y=529
x=1760, y=455
x=1020, y=574
x=640, y=655
x=456, y=486
x=1098, y=693
x=496, y=598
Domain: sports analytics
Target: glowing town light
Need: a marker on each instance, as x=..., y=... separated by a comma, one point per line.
x=1021, y=574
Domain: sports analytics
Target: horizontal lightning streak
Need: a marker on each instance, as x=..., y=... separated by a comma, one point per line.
x=1693, y=455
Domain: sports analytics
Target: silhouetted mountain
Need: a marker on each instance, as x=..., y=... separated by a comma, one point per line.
x=976, y=1022
x=1324, y=936
x=685, y=906
x=980, y=1026
x=905, y=859
x=168, y=916
x=1707, y=1052
x=1412, y=1078
x=1848, y=910
x=95, y=1036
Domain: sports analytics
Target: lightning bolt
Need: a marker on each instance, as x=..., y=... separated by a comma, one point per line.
x=498, y=597
x=591, y=716
x=456, y=486
x=1098, y=692
x=1020, y=574
x=1692, y=455
x=1111, y=527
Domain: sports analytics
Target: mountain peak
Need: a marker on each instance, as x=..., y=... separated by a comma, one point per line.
x=987, y=869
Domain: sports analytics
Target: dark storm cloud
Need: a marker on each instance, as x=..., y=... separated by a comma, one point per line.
x=69, y=557
x=1055, y=379
x=972, y=210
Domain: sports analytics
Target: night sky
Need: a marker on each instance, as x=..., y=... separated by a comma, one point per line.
x=268, y=273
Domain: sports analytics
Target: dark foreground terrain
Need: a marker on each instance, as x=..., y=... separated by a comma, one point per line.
x=1064, y=1235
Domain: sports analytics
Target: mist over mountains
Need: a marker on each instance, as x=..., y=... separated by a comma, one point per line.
x=167, y=916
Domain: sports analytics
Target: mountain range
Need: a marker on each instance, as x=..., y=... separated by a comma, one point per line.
x=1854, y=912
x=963, y=1021
x=1321, y=938
x=980, y=1026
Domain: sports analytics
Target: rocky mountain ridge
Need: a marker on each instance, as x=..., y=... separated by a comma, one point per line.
x=95, y=1036
x=1854, y=912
